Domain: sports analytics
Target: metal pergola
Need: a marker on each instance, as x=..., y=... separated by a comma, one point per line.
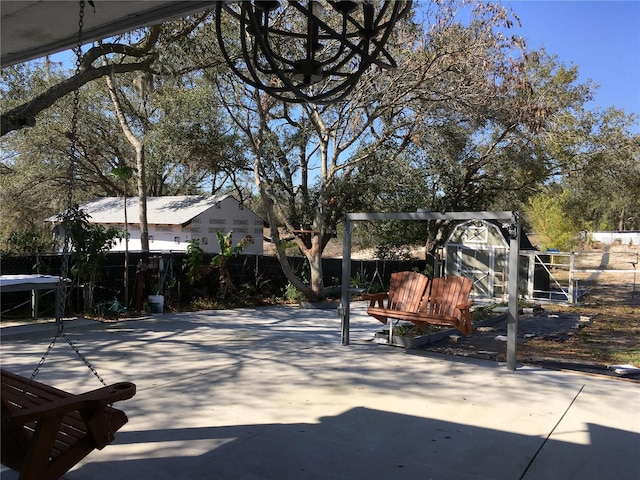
x=506, y=217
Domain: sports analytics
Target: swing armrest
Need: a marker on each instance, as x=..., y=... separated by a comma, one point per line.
x=375, y=298
x=92, y=400
x=465, y=306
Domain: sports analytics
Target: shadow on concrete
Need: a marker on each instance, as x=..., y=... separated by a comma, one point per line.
x=270, y=393
x=363, y=444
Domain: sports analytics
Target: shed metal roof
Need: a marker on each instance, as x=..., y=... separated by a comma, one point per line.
x=169, y=210
x=525, y=242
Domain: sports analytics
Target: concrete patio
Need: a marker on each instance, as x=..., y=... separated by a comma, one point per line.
x=269, y=393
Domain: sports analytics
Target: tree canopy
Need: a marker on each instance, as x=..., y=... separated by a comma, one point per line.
x=469, y=120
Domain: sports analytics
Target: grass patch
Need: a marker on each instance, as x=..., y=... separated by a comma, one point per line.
x=613, y=337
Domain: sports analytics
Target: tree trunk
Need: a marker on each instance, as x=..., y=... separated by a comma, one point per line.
x=314, y=256
x=126, y=251
x=142, y=197
x=87, y=296
x=140, y=163
x=226, y=287
x=621, y=221
x=315, y=262
x=282, y=258
x=261, y=181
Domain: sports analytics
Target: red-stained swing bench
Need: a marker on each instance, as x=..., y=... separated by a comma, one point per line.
x=46, y=431
x=415, y=298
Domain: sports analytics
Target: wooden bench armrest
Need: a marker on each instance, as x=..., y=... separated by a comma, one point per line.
x=370, y=296
x=375, y=298
x=85, y=401
x=465, y=306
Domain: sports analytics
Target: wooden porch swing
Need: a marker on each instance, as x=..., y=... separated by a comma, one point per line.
x=46, y=431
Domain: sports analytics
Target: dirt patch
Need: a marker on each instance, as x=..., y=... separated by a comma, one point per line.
x=490, y=339
x=591, y=337
x=559, y=336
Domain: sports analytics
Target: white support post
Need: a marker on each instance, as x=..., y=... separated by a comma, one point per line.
x=531, y=275
x=34, y=304
x=572, y=294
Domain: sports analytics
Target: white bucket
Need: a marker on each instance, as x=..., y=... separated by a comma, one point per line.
x=156, y=303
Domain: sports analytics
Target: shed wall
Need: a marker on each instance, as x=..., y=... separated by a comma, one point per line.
x=479, y=251
x=226, y=215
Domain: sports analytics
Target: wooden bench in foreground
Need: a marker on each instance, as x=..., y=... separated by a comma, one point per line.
x=46, y=431
x=413, y=297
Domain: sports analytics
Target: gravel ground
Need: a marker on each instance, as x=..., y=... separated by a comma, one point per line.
x=489, y=341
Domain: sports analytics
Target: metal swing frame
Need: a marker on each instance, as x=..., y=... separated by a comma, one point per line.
x=510, y=218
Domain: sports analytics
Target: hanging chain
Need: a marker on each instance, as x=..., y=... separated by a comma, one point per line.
x=64, y=269
x=36, y=371
x=84, y=359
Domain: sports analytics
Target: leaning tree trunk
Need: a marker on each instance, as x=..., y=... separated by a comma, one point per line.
x=269, y=206
x=142, y=197
x=280, y=253
x=140, y=163
x=316, y=281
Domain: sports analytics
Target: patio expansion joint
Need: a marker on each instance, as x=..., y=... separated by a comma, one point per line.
x=544, y=442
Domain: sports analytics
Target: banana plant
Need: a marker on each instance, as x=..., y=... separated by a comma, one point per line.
x=227, y=252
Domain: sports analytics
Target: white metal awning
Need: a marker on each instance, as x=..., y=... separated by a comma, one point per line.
x=34, y=28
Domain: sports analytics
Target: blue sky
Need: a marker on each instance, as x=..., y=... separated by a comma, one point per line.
x=601, y=37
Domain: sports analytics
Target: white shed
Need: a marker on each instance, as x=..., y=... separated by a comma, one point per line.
x=175, y=220
x=479, y=250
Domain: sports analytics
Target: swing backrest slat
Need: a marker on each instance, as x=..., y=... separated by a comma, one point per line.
x=46, y=431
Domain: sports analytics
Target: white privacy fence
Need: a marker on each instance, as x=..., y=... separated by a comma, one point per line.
x=610, y=238
x=572, y=274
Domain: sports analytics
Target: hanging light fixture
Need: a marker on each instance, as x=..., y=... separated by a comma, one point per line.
x=312, y=51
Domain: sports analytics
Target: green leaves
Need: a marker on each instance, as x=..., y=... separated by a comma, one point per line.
x=123, y=172
x=89, y=243
x=227, y=250
x=194, y=258
x=551, y=219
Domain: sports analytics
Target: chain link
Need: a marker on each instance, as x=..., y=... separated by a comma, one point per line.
x=43, y=359
x=84, y=359
x=64, y=269
x=72, y=157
